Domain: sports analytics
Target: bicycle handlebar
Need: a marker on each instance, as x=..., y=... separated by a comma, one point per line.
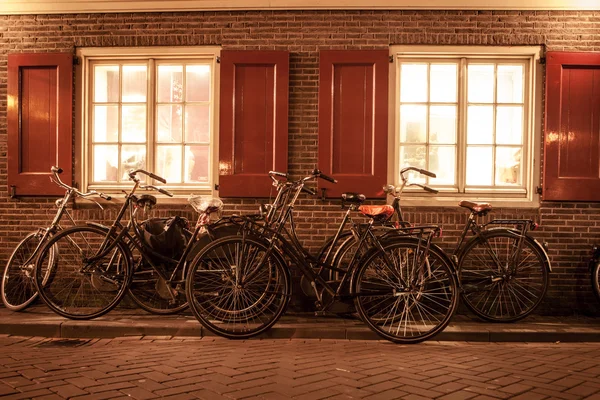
x=317, y=173
x=419, y=170
x=132, y=173
x=56, y=171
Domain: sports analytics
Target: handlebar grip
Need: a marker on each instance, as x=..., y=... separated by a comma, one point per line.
x=310, y=191
x=165, y=192
x=56, y=169
x=105, y=196
x=428, y=173
x=156, y=177
x=320, y=174
x=275, y=173
x=430, y=190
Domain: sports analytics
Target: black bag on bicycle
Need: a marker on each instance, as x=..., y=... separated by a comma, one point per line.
x=166, y=236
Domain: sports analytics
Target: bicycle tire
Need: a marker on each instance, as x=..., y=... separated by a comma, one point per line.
x=500, y=295
x=220, y=299
x=18, y=289
x=76, y=289
x=595, y=277
x=399, y=303
x=153, y=294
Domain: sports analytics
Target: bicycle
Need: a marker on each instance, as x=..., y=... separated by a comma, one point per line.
x=17, y=287
x=403, y=287
x=594, y=266
x=94, y=265
x=503, y=272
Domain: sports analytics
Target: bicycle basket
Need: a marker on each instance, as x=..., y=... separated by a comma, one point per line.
x=166, y=236
x=205, y=204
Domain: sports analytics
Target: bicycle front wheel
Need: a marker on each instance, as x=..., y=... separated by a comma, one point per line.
x=79, y=286
x=237, y=288
x=596, y=280
x=405, y=293
x=502, y=281
x=17, y=287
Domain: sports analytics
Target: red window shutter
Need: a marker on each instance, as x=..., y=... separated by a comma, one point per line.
x=253, y=138
x=572, y=132
x=40, y=103
x=353, y=120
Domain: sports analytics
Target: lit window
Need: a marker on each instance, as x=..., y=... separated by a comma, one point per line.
x=467, y=115
x=154, y=111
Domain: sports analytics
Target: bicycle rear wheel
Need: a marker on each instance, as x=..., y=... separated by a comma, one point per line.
x=403, y=294
x=18, y=288
x=236, y=288
x=153, y=293
x=494, y=287
x=78, y=288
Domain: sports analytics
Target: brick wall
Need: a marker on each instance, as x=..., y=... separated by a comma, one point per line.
x=569, y=228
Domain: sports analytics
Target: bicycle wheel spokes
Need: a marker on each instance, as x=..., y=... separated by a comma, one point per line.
x=235, y=290
x=77, y=288
x=402, y=298
x=18, y=288
x=500, y=282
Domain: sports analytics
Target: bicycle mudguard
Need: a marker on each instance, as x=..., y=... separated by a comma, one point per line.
x=517, y=234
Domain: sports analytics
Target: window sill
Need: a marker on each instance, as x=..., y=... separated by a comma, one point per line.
x=422, y=201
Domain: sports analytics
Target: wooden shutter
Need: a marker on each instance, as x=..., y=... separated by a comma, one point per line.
x=40, y=103
x=572, y=131
x=253, y=136
x=353, y=120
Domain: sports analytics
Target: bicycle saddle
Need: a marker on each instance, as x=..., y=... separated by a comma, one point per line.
x=378, y=213
x=146, y=200
x=479, y=208
x=353, y=198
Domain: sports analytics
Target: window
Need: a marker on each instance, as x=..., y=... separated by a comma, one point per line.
x=152, y=109
x=466, y=114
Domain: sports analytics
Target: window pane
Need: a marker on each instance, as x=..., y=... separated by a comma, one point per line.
x=197, y=82
x=134, y=124
x=508, y=166
x=106, y=124
x=170, y=83
x=509, y=125
x=413, y=156
x=197, y=123
x=479, y=166
x=106, y=83
x=413, y=124
x=443, y=83
x=442, y=124
x=168, y=163
x=413, y=82
x=132, y=157
x=442, y=161
x=196, y=163
x=169, y=124
x=510, y=83
x=134, y=83
x=480, y=83
x=480, y=125
x=106, y=159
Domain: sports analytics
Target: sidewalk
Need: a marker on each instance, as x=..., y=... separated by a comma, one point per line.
x=39, y=321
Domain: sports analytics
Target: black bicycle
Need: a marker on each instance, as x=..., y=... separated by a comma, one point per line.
x=94, y=266
x=403, y=285
x=595, y=271
x=503, y=272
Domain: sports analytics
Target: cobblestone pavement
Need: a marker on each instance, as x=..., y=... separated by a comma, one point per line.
x=216, y=368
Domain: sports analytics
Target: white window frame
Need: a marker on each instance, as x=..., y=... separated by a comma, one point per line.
x=160, y=53
x=532, y=125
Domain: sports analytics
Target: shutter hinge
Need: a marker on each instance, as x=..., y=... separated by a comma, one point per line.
x=538, y=189
x=218, y=59
x=216, y=186
x=543, y=60
x=391, y=59
x=323, y=193
x=76, y=60
x=13, y=191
